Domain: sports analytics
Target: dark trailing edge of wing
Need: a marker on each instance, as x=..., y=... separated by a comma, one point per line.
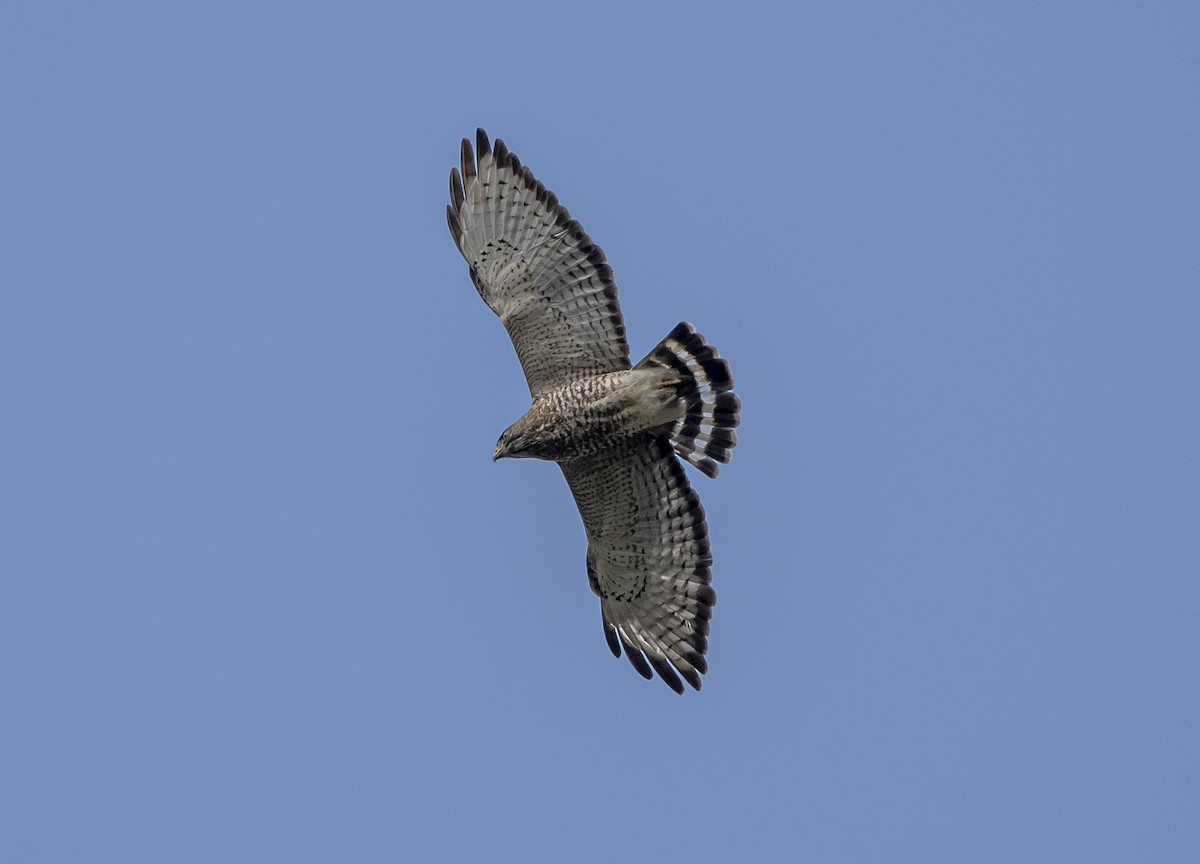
x=470, y=157
x=646, y=665
x=692, y=647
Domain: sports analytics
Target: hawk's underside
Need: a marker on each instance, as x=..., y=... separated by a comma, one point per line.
x=615, y=430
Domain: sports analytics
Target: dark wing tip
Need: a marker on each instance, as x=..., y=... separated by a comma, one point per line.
x=482, y=147
x=692, y=676
x=638, y=660
x=667, y=673
x=610, y=636
x=467, y=160
x=457, y=193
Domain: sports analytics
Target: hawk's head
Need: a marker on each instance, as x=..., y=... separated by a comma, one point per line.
x=529, y=438
x=512, y=445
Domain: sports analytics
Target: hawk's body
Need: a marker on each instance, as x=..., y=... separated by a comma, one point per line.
x=615, y=430
x=594, y=414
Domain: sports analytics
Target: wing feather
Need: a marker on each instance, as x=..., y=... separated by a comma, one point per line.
x=536, y=268
x=648, y=556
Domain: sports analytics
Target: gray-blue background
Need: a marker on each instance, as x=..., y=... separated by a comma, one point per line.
x=266, y=598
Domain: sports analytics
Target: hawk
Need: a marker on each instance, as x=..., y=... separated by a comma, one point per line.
x=615, y=429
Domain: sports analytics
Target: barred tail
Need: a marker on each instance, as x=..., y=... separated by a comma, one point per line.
x=704, y=435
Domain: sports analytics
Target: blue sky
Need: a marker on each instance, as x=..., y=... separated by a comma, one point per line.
x=267, y=598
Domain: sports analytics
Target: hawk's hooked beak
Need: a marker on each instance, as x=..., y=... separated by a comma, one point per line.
x=501, y=450
x=508, y=446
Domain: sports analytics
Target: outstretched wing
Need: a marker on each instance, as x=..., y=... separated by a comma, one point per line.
x=648, y=557
x=536, y=268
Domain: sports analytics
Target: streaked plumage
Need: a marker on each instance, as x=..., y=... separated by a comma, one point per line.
x=615, y=430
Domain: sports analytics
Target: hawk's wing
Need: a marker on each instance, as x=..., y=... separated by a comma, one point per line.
x=536, y=268
x=648, y=556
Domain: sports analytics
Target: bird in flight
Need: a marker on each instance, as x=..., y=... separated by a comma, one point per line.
x=616, y=430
